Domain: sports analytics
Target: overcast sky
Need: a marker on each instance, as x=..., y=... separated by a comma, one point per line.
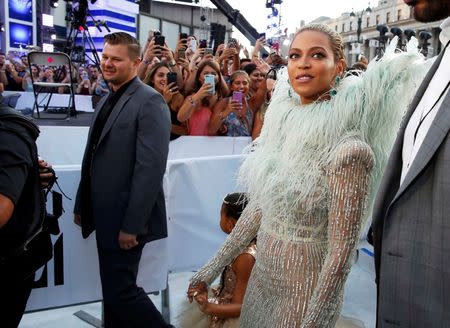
x=293, y=11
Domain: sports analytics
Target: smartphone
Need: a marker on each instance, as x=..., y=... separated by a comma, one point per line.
x=232, y=43
x=208, y=51
x=183, y=35
x=160, y=40
x=193, y=45
x=203, y=43
x=182, y=53
x=156, y=33
x=171, y=77
x=262, y=35
x=237, y=96
x=210, y=79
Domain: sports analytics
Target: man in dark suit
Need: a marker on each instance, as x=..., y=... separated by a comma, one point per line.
x=411, y=218
x=120, y=195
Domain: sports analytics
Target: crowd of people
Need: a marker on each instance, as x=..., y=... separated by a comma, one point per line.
x=210, y=94
x=17, y=75
x=231, y=103
x=334, y=149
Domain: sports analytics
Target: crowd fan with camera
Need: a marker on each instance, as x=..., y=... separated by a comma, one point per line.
x=210, y=93
x=195, y=81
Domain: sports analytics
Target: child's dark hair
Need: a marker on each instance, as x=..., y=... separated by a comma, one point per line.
x=234, y=204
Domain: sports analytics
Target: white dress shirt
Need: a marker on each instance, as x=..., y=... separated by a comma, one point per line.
x=420, y=122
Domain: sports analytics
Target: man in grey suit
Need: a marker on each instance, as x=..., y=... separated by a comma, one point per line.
x=411, y=218
x=120, y=195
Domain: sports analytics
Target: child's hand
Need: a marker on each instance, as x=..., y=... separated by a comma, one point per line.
x=196, y=288
x=202, y=301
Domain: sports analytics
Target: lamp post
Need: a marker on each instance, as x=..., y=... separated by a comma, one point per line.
x=359, y=16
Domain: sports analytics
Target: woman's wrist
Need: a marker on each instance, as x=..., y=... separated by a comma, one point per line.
x=146, y=61
x=207, y=308
x=193, y=100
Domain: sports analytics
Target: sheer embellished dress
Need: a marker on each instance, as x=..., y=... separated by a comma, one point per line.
x=311, y=177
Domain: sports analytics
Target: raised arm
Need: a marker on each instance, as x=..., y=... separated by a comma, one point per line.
x=348, y=181
x=243, y=233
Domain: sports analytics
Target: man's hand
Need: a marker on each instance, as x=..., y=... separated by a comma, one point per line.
x=77, y=219
x=127, y=241
x=45, y=175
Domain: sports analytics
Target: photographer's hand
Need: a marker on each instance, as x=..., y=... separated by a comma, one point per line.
x=45, y=175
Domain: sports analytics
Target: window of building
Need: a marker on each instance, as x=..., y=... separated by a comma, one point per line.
x=399, y=14
x=377, y=19
x=171, y=31
x=351, y=26
x=388, y=17
x=335, y=28
x=343, y=27
x=367, y=21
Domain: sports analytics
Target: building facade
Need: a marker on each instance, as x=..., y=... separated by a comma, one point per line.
x=395, y=16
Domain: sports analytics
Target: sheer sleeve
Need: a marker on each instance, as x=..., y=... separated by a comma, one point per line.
x=243, y=233
x=348, y=181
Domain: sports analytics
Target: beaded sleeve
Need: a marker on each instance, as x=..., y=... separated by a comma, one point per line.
x=348, y=180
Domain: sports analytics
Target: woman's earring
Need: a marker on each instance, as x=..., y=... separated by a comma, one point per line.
x=289, y=90
x=333, y=90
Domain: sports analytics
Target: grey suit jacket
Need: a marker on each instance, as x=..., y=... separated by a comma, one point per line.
x=411, y=228
x=127, y=170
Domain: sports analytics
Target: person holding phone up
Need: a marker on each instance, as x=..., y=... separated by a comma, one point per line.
x=157, y=50
x=208, y=88
x=233, y=116
x=163, y=80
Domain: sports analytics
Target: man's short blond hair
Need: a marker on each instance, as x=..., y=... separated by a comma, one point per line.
x=134, y=49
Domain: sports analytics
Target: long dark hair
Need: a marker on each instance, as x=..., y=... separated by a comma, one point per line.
x=149, y=78
x=198, y=84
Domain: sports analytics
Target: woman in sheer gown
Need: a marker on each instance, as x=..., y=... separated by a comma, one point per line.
x=311, y=177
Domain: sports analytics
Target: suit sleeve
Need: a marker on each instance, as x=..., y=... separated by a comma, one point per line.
x=152, y=148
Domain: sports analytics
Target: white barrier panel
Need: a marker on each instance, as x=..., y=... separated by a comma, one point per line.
x=196, y=188
x=195, y=147
x=26, y=100
x=62, y=145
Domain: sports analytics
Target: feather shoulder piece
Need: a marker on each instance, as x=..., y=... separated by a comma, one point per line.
x=298, y=142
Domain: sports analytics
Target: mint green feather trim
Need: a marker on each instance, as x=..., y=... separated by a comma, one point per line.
x=287, y=167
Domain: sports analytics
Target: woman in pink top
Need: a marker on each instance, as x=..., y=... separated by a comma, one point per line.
x=197, y=107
